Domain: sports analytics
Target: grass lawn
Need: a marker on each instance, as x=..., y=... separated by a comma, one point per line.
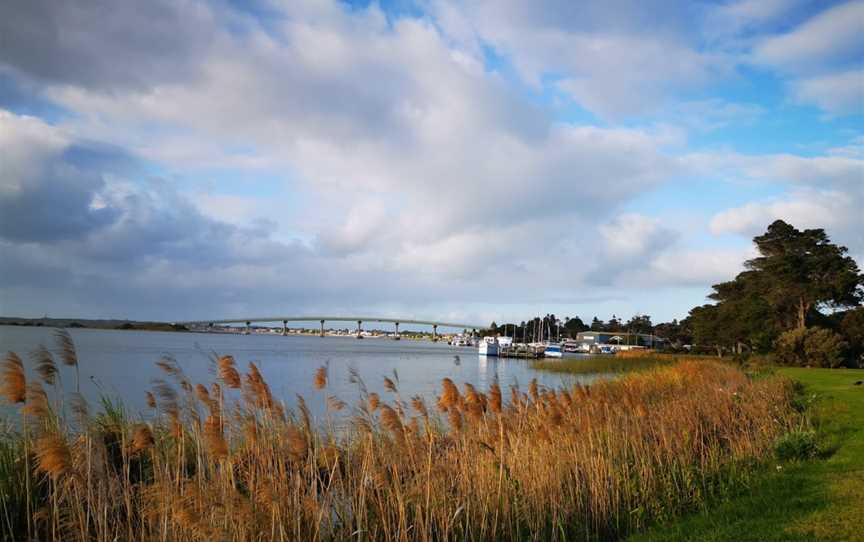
x=821, y=499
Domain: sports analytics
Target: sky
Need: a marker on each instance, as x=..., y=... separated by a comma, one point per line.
x=464, y=161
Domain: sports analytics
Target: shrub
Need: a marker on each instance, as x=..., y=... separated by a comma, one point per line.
x=852, y=327
x=789, y=349
x=811, y=347
x=824, y=348
x=796, y=446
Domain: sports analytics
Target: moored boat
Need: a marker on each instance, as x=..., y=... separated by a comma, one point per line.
x=488, y=347
x=552, y=351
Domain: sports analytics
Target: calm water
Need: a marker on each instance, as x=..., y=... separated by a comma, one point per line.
x=121, y=363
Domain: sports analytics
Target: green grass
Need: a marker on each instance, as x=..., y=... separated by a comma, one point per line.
x=599, y=364
x=819, y=499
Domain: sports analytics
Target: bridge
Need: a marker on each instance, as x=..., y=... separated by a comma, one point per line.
x=322, y=319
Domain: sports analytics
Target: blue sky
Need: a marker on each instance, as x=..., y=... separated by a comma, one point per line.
x=482, y=160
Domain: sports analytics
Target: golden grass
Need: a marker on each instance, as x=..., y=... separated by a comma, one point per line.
x=552, y=464
x=13, y=385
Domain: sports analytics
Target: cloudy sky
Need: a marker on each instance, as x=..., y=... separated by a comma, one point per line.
x=479, y=160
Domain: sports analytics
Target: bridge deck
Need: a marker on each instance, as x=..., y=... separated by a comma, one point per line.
x=331, y=319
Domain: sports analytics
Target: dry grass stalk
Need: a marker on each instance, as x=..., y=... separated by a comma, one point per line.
x=78, y=405
x=374, y=401
x=228, y=373
x=142, y=438
x=37, y=404
x=320, y=380
x=214, y=438
x=167, y=397
x=53, y=456
x=67, y=348
x=419, y=405
x=45, y=366
x=257, y=389
x=495, y=397
x=390, y=420
x=335, y=404
x=449, y=395
x=202, y=393
x=297, y=445
x=389, y=385
x=13, y=384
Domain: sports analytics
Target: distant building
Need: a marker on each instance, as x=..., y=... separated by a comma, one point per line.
x=621, y=339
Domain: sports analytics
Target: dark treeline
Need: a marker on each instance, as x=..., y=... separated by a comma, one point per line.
x=570, y=327
x=799, y=300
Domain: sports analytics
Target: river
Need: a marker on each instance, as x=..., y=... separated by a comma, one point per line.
x=121, y=364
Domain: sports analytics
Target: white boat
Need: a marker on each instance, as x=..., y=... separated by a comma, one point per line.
x=460, y=340
x=552, y=351
x=488, y=347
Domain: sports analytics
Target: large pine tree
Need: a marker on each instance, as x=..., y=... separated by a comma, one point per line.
x=803, y=271
x=796, y=274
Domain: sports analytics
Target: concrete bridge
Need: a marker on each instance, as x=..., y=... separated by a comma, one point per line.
x=322, y=319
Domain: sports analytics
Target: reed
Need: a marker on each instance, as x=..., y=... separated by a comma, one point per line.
x=228, y=462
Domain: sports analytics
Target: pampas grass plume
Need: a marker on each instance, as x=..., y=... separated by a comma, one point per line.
x=13, y=384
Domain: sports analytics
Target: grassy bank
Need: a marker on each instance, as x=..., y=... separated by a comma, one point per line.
x=819, y=499
x=227, y=462
x=619, y=363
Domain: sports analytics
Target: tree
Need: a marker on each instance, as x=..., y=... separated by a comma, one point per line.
x=852, y=329
x=746, y=317
x=707, y=327
x=678, y=334
x=597, y=324
x=802, y=271
x=795, y=276
x=640, y=323
x=614, y=325
x=574, y=326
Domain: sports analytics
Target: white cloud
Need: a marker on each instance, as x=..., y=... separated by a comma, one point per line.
x=696, y=267
x=439, y=145
x=413, y=169
x=736, y=16
x=823, y=57
x=836, y=93
x=831, y=37
x=834, y=211
x=598, y=53
x=25, y=142
x=634, y=236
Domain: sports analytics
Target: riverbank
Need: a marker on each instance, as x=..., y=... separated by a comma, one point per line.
x=84, y=323
x=606, y=364
x=227, y=461
x=818, y=499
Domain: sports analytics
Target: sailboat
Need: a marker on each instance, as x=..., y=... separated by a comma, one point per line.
x=553, y=349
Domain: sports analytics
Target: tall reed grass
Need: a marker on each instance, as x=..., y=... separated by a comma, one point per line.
x=226, y=461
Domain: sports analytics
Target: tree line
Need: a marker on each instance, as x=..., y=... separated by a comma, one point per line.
x=799, y=300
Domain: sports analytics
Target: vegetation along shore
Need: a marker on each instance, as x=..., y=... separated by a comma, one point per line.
x=224, y=460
